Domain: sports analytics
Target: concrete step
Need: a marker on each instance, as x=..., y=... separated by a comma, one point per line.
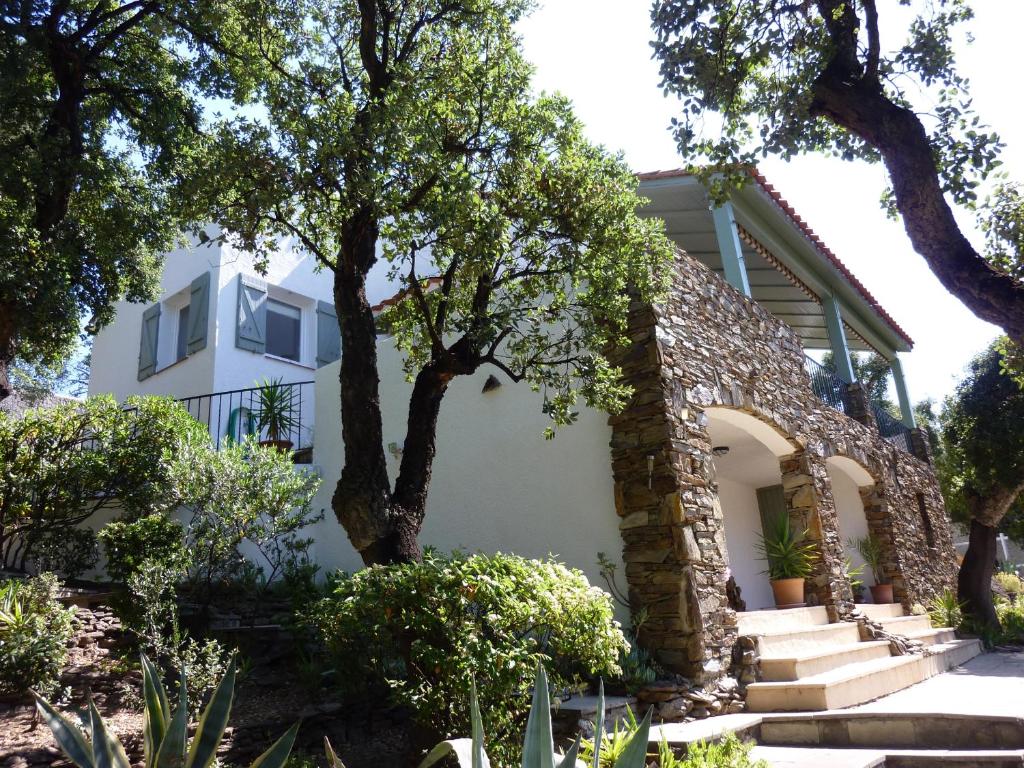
x=808, y=639
x=814, y=662
x=858, y=682
x=761, y=622
x=802, y=757
x=879, y=611
x=933, y=636
x=901, y=625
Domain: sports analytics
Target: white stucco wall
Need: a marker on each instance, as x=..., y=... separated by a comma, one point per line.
x=497, y=484
x=742, y=533
x=852, y=522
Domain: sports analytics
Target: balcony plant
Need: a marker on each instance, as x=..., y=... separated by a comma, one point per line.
x=870, y=549
x=790, y=559
x=276, y=413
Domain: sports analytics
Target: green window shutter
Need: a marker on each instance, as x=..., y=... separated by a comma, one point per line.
x=772, y=504
x=251, y=330
x=198, y=313
x=328, y=334
x=148, y=343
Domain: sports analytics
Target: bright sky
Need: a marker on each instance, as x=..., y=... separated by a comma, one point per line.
x=597, y=53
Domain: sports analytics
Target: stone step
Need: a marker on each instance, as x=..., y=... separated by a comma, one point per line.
x=879, y=611
x=810, y=639
x=771, y=621
x=803, y=757
x=814, y=662
x=901, y=625
x=858, y=682
x=933, y=636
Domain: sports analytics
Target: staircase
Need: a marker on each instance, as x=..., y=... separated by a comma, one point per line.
x=808, y=664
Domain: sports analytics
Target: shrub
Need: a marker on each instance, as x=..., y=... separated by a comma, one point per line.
x=153, y=539
x=1011, y=619
x=944, y=610
x=1011, y=582
x=61, y=465
x=421, y=630
x=68, y=553
x=34, y=633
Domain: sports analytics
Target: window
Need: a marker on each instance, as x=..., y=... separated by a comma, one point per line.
x=181, y=351
x=284, y=324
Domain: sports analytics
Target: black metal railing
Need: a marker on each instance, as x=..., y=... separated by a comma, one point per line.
x=891, y=428
x=826, y=384
x=232, y=416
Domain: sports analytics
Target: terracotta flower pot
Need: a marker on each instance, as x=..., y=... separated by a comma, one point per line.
x=881, y=593
x=282, y=445
x=789, y=593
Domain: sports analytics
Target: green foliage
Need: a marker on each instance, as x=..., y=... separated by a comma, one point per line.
x=1011, y=582
x=68, y=553
x=61, y=465
x=788, y=553
x=92, y=155
x=128, y=544
x=165, y=732
x=34, y=633
x=730, y=752
x=1011, y=620
x=870, y=549
x=944, y=610
x=276, y=409
x=421, y=630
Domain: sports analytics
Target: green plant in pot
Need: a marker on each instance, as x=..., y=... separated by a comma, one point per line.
x=853, y=575
x=276, y=413
x=870, y=549
x=790, y=557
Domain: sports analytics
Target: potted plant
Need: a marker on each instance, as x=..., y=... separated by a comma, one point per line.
x=276, y=413
x=853, y=576
x=870, y=549
x=790, y=559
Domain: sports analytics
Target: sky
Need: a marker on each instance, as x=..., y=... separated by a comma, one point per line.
x=597, y=52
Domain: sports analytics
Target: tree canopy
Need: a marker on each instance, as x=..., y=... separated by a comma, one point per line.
x=406, y=132
x=789, y=78
x=102, y=106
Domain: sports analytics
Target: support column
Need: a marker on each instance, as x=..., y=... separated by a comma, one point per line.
x=730, y=248
x=906, y=411
x=837, y=339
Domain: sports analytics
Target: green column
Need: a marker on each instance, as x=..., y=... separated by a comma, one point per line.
x=837, y=338
x=730, y=248
x=901, y=392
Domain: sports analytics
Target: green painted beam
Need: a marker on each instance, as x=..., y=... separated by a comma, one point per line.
x=730, y=248
x=901, y=392
x=837, y=338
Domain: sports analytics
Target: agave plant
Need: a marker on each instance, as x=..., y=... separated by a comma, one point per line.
x=788, y=552
x=538, y=742
x=165, y=734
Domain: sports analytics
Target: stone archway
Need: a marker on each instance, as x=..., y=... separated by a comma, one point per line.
x=853, y=486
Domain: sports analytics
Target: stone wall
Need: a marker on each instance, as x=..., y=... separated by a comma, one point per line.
x=709, y=346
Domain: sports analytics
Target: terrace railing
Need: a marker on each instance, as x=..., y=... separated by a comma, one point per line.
x=891, y=428
x=826, y=384
x=231, y=416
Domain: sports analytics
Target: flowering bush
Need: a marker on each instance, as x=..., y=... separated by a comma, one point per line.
x=420, y=631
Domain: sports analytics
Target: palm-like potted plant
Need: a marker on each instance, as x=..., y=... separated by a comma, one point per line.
x=276, y=413
x=870, y=549
x=790, y=557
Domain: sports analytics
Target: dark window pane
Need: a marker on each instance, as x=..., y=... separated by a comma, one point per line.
x=283, y=330
x=182, y=349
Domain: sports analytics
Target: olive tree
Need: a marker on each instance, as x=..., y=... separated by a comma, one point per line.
x=406, y=132
x=785, y=78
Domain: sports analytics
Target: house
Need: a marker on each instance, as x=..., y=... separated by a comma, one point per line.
x=733, y=419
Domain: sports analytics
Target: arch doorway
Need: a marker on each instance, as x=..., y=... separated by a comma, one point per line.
x=848, y=480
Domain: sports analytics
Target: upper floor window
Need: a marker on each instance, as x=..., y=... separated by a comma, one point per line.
x=181, y=348
x=284, y=330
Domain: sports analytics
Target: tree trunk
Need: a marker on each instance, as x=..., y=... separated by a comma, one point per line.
x=6, y=351
x=974, y=583
x=857, y=103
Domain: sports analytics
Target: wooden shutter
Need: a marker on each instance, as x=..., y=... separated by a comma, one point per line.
x=328, y=334
x=772, y=504
x=251, y=330
x=198, y=313
x=148, y=342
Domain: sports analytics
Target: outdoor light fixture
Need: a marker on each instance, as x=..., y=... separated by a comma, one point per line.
x=650, y=469
x=720, y=450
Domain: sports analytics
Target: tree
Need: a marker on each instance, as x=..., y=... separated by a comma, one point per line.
x=983, y=469
x=405, y=131
x=786, y=78
x=872, y=371
x=101, y=106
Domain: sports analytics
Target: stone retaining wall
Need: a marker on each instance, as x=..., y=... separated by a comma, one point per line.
x=709, y=346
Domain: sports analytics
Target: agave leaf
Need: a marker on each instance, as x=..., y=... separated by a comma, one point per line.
x=172, y=749
x=599, y=724
x=107, y=751
x=569, y=760
x=161, y=694
x=69, y=738
x=634, y=754
x=214, y=720
x=538, y=745
x=460, y=749
x=277, y=755
x=154, y=717
x=333, y=761
x=479, y=756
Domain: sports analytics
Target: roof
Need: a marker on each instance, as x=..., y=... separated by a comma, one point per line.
x=806, y=230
